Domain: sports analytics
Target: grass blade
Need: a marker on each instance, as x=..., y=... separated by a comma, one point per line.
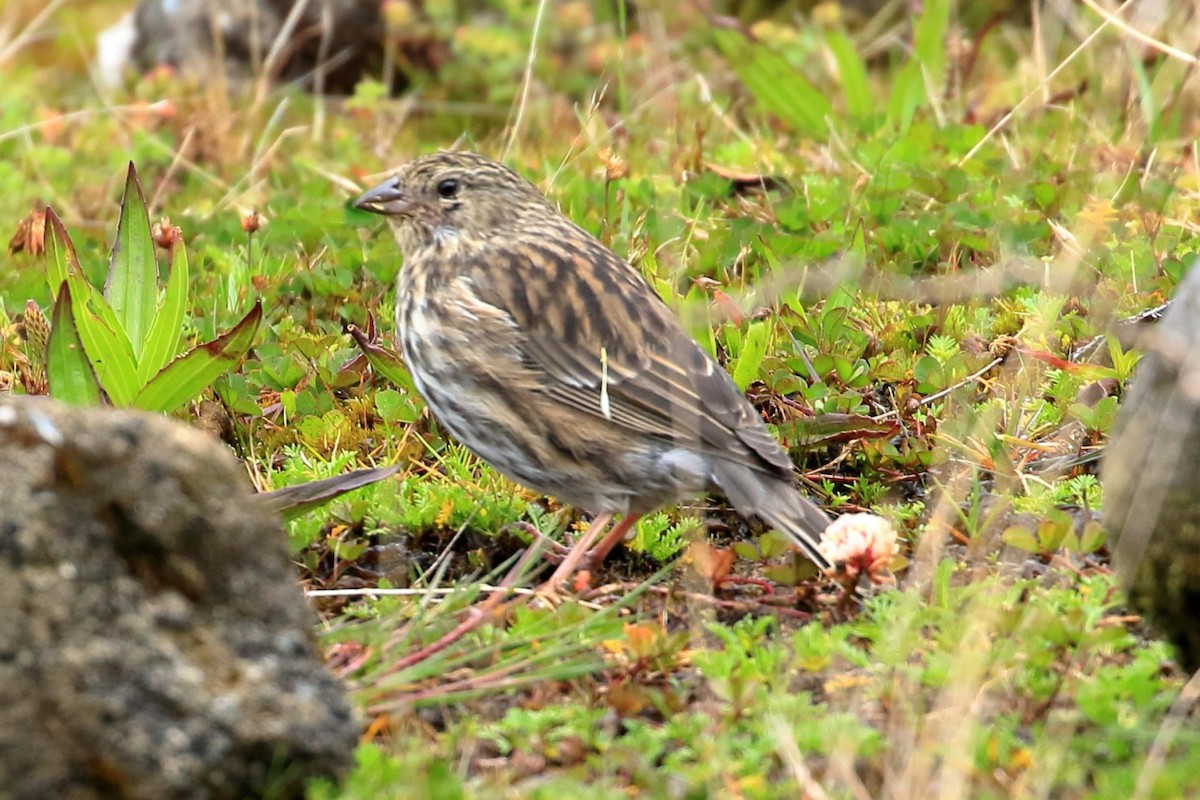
x=927, y=66
x=777, y=86
x=853, y=73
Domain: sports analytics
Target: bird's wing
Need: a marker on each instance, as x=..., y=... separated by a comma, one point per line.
x=607, y=345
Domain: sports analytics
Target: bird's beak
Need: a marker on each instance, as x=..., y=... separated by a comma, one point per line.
x=387, y=198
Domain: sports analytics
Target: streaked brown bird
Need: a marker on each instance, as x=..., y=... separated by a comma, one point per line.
x=555, y=361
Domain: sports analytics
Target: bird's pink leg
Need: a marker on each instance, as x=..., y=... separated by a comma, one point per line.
x=600, y=552
x=555, y=552
x=577, y=552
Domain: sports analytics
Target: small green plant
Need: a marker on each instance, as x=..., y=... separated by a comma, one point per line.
x=1057, y=531
x=461, y=492
x=660, y=539
x=123, y=342
x=770, y=550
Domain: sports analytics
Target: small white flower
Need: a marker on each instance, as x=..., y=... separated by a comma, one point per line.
x=858, y=543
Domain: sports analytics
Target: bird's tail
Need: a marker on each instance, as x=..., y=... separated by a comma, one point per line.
x=778, y=502
x=292, y=501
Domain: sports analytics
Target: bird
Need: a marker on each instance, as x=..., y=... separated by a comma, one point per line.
x=555, y=361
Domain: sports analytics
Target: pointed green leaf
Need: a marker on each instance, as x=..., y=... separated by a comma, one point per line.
x=382, y=360
x=80, y=288
x=104, y=341
x=750, y=357
x=107, y=348
x=62, y=259
x=188, y=375
x=72, y=379
x=162, y=343
x=132, y=284
x=63, y=265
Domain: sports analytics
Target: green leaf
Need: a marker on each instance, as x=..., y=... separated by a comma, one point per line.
x=778, y=87
x=1052, y=530
x=72, y=379
x=162, y=342
x=1093, y=537
x=1021, y=538
x=104, y=340
x=106, y=346
x=83, y=291
x=746, y=551
x=188, y=375
x=132, y=284
x=383, y=361
x=754, y=347
x=772, y=544
x=395, y=407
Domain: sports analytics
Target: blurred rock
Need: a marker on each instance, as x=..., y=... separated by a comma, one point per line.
x=972, y=13
x=153, y=640
x=1151, y=477
x=114, y=50
x=328, y=46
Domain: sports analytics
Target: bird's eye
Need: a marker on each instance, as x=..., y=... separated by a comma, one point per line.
x=447, y=188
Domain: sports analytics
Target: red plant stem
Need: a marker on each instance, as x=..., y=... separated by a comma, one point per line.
x=474, y=619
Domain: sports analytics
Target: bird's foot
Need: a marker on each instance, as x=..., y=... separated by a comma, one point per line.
x=552, y=551
x=576, y=553
x=597, y=555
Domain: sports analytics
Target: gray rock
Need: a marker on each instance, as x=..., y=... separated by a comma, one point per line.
x=342, y=39
x=1151, y=477
x=153, y=640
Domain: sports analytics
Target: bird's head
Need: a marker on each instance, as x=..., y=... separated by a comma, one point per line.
x=454, y=197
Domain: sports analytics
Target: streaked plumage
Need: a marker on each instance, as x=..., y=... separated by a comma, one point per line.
x=553, y=359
